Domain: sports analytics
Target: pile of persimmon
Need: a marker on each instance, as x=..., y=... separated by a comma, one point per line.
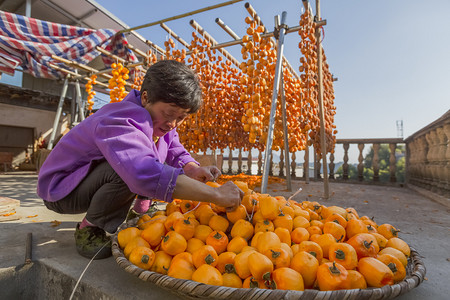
x=268, y=243
x=251, y=180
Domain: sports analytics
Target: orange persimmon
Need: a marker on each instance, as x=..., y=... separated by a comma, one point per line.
x=332, y=276
x=364, y=244
x=173, y=243
x=376, y=273
x=344, y=254
x=218, y=240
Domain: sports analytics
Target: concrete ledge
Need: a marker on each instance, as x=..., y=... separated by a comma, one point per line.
x=430, y=195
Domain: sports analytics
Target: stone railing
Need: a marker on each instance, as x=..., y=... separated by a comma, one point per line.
x=361, y=144
x=427, y=160
x=428, y=157
x=239, y=163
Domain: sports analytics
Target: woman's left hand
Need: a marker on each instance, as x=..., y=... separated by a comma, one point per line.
x=203, y=174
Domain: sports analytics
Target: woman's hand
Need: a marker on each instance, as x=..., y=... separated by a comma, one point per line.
x=203, y=174
x=229, y=196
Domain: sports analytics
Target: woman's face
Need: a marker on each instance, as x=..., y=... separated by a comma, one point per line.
x=165, y=116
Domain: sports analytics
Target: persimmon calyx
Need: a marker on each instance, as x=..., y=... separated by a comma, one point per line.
x=229, y=268
x=266, y=276
x=275, y=254
x=367, y=245
x=393, y=267
x=334, y=270
x=253, y=283
x=145, y=258
x=340, y=254
x=209, y=259
x=395, y=232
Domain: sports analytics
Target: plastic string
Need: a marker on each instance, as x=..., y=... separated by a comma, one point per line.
x=295, y=194
x=198, y=204
x=85, y=269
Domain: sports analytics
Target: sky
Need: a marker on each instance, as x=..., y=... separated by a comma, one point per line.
x=391, y=57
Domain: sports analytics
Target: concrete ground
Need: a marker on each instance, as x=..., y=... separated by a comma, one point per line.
x=424, y=224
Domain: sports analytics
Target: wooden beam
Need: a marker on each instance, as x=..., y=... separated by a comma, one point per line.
x=180, y=16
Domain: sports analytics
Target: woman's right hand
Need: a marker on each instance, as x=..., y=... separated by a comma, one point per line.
x=229, y=196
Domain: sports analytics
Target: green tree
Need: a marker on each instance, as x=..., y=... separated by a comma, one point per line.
x=352, y=172
x=383, y=163
x=384, y=172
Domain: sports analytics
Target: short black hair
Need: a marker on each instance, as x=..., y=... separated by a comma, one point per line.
x=171, y=81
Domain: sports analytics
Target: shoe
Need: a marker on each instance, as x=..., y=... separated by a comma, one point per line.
x=92, y=241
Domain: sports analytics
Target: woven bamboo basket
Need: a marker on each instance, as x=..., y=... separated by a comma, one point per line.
x=415, y=274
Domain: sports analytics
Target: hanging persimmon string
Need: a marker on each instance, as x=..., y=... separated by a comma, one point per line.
x=237, y=100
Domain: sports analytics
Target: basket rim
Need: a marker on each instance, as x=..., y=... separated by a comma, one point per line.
x=196, y=289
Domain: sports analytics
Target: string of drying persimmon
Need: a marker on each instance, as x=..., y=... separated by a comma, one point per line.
x=311, y=121
x=138, y=79
x=117, y=83
x=258, y=56
x=214, y=126
x=329, y=107
x=91, y=93
x=191, y=134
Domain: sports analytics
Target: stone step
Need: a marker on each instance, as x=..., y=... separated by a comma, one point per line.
x=8, y=208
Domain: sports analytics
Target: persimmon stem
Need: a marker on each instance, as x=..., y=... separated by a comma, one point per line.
x=334, y=270
x=340, y=254
x=393, y=267
x=145, y=258
x=367, y=245
x=275, y=254
x=209, y=259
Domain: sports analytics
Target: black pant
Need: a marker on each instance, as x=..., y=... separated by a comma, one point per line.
x=103, y=195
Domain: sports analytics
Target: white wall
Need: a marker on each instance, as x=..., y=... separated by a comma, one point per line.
x=40, y=120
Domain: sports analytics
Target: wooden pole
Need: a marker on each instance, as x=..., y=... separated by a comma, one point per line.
x=113, y=56
x=285, y=135
x=175, y=36
x=180, y=16
x=74, y=75
x=79, y=66
x=323, y=141
x=58, y=113
x=137, y=51
x=227, y=29
x=87, y=68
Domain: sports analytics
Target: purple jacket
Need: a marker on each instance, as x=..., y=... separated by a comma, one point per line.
x=122, y=134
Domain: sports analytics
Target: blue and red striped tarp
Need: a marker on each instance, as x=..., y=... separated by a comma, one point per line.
x=29, y=43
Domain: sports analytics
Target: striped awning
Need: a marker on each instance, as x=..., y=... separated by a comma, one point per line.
x=30, y=43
